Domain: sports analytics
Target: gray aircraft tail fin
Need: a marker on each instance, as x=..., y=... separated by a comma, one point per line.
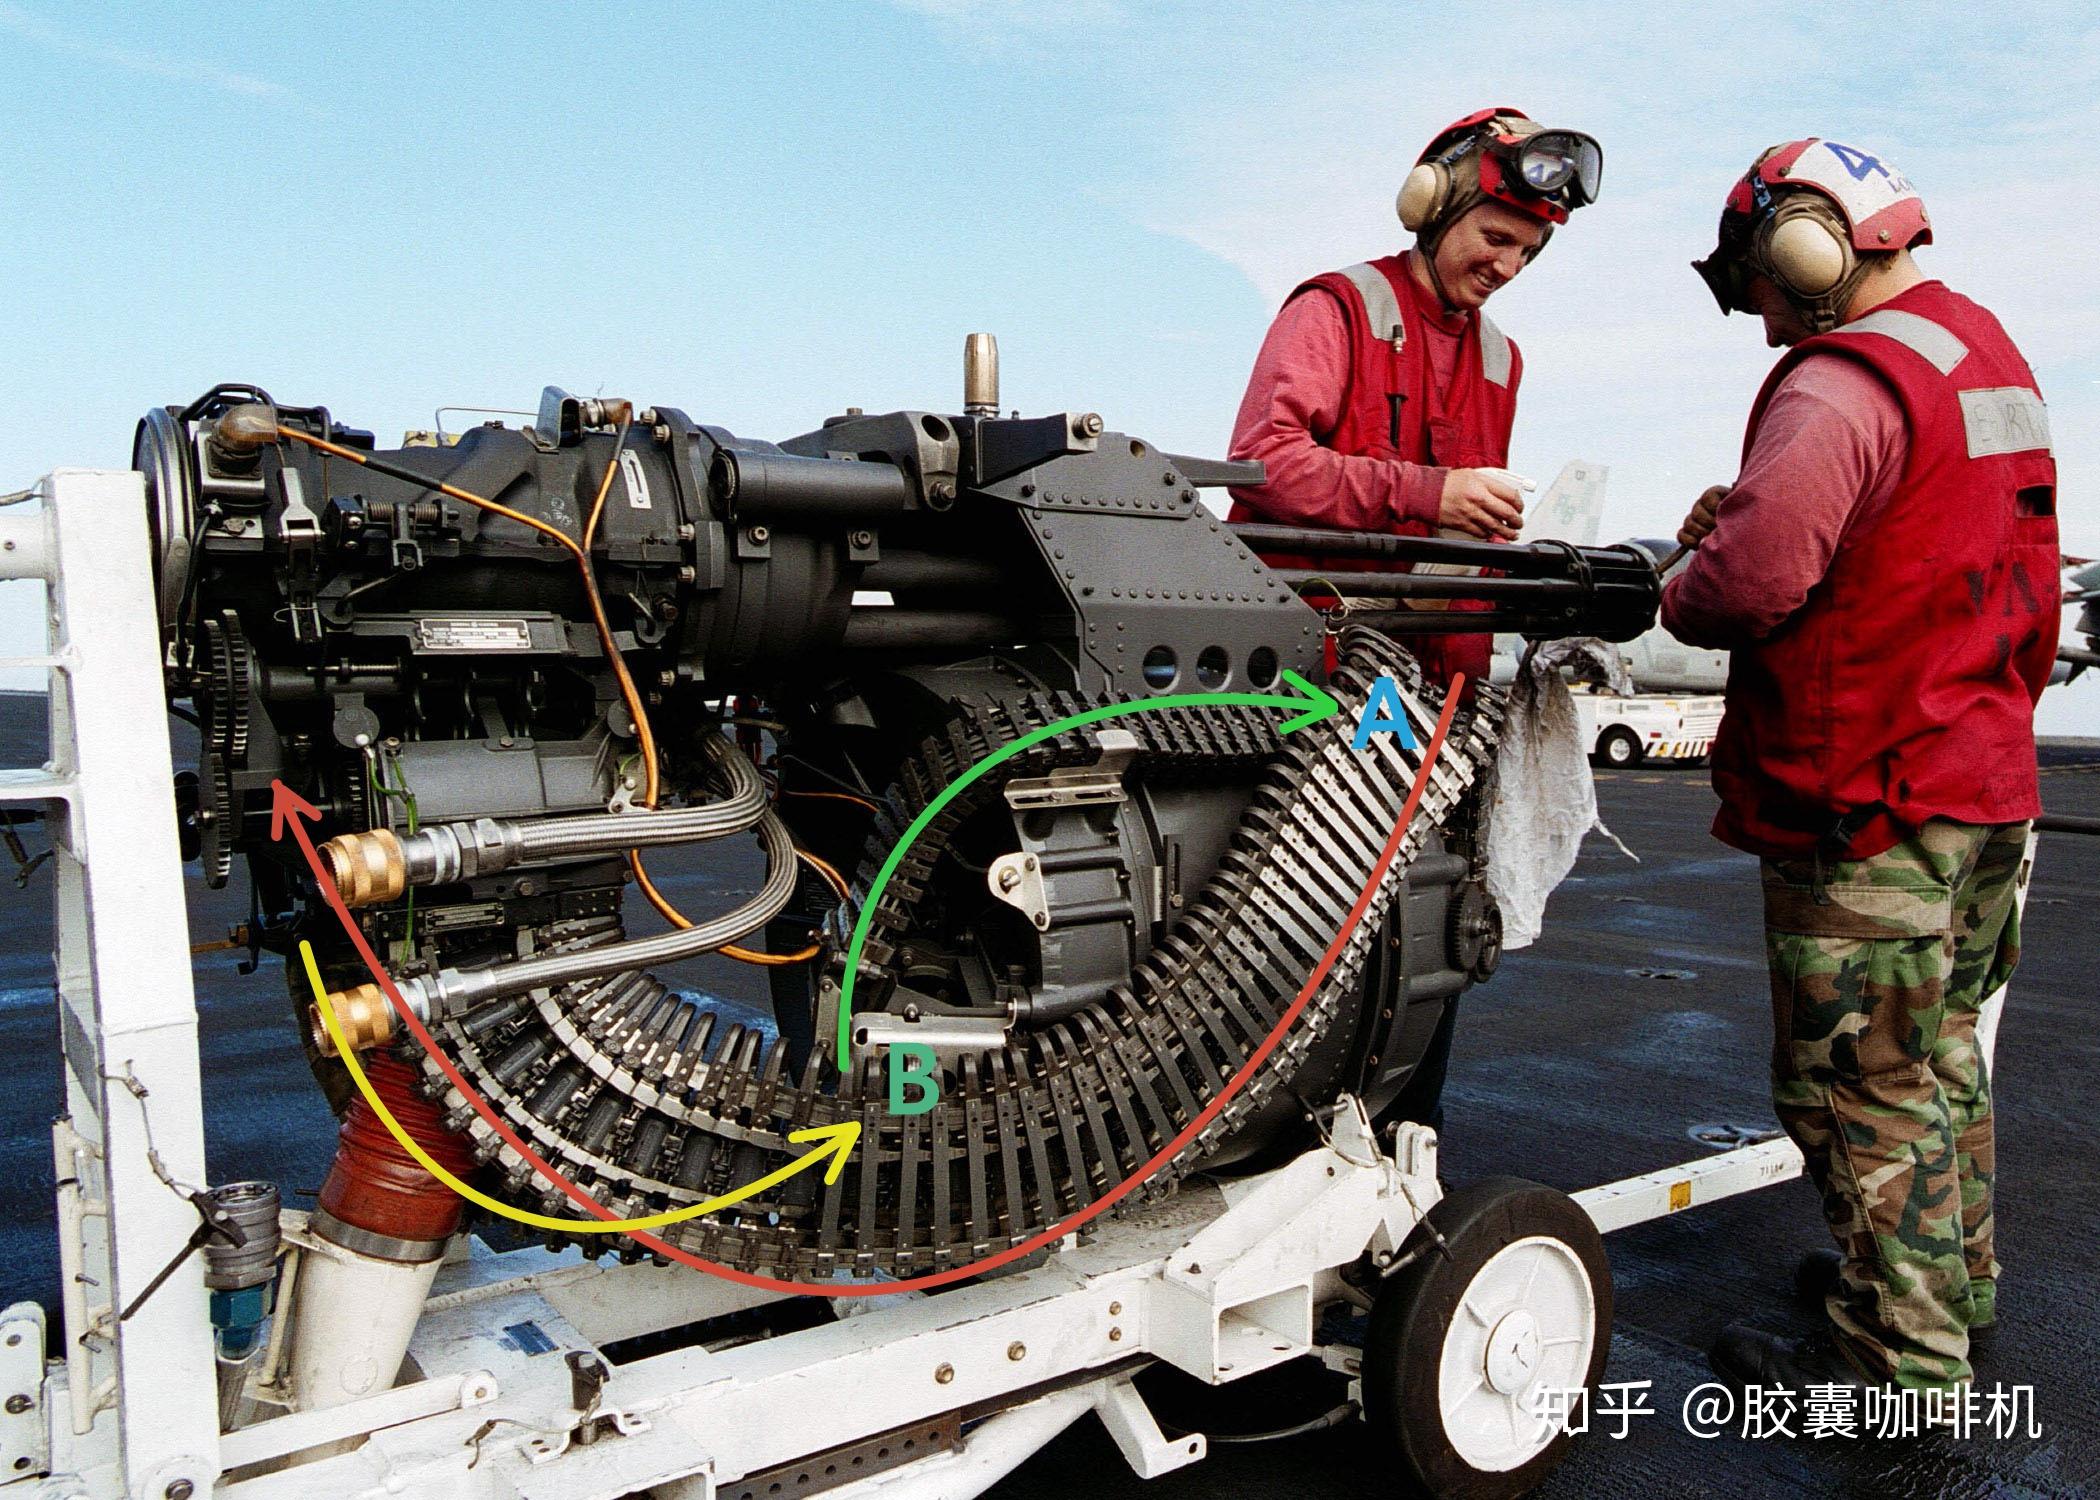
x=1572, y=509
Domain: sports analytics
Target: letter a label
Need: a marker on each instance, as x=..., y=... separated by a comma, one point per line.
x=1385, y=713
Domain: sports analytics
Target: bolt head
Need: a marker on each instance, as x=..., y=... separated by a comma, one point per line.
x=179, y=1489
x=944, y=1375
x=17, y=1404
x=1017, y=1352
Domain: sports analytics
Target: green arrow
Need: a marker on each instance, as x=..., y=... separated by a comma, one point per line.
x=1312, y=703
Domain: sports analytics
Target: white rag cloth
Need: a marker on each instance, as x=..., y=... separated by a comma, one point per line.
x=1545, y=798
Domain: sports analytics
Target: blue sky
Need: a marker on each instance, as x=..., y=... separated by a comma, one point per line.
x=763, y=214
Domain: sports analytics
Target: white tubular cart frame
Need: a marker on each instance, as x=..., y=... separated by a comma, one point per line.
x=136, y=1396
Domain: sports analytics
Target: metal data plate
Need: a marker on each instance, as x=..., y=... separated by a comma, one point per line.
x=470, y=633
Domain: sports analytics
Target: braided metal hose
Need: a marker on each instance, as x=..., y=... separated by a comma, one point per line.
x=452, y=992
x=377, y=865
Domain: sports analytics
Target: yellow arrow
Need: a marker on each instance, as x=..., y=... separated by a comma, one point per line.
x=835, y=1143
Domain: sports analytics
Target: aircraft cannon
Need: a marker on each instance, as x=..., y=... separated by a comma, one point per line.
x=506, y=665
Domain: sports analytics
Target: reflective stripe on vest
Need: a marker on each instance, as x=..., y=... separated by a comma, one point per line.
x=1921, y=336
x=1381, y=305
x=1494, y=351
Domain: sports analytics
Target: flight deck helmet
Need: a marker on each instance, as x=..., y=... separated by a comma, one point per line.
x=1504, y=155
x=1807, y=215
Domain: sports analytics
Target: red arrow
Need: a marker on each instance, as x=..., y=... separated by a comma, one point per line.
x=284, y=801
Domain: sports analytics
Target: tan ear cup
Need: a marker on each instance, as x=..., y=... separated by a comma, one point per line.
x=1422, y=195
x=1806, y=256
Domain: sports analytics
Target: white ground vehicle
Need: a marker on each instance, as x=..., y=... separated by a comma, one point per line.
x=1627, y=731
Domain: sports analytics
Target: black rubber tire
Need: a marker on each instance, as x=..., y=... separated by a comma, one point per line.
x=1619, y=748
x=1413, y=1313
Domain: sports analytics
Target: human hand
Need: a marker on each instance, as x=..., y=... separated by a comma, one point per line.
x=1699, y=524
x=1485, y=503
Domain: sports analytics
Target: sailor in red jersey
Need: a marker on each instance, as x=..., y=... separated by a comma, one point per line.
x=1883, y=571
x=1383, y=395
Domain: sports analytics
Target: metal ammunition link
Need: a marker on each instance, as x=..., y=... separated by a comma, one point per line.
x=622, y=1085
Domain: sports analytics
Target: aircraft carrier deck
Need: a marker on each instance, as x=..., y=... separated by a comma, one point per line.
x=1571, y=1070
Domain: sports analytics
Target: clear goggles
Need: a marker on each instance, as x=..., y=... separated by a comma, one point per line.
x=1564, y=165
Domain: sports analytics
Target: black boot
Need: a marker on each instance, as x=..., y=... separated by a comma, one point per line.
x=1746, y=1356
x=1816, y=1277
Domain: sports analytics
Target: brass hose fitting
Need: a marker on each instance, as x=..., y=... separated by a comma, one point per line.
x=367, y=1020
x=367, y=868
x=244, y=429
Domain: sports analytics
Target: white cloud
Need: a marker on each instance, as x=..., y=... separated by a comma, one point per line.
x=153, y=64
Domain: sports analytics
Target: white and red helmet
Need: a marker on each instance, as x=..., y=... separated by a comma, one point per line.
x=1804, y=215
x=1501, y=154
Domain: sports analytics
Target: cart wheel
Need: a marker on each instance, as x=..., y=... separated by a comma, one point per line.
x=1518, y=1300
x=1619, y=747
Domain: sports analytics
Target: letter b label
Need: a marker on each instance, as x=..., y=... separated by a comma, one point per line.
x=915, y=1086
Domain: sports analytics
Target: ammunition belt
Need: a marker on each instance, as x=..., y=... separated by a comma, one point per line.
x=622, y=1086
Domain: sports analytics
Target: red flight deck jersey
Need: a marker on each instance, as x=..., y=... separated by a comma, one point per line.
x=1366, y=392
x=1903, y=686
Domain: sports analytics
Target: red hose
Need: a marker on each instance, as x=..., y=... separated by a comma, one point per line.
x=375, y=1185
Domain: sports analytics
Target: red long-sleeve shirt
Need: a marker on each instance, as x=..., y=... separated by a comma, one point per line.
x=1827, y=457
x=1294, y=403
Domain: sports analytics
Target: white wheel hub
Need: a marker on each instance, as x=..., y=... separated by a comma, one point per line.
x=1526, y=1324
x=1514, y=1353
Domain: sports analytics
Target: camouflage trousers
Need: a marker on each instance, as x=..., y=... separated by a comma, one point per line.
x=1878, y=969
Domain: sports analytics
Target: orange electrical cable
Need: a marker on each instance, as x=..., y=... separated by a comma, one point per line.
x=837, y=797
x=831, y=876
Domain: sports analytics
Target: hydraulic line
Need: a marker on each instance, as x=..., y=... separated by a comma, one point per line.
x=451, y=992
x=376, y=865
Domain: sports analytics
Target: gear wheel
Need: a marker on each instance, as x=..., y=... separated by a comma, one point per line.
x=1474, y=933
x=227, y=659
x=216, y=818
